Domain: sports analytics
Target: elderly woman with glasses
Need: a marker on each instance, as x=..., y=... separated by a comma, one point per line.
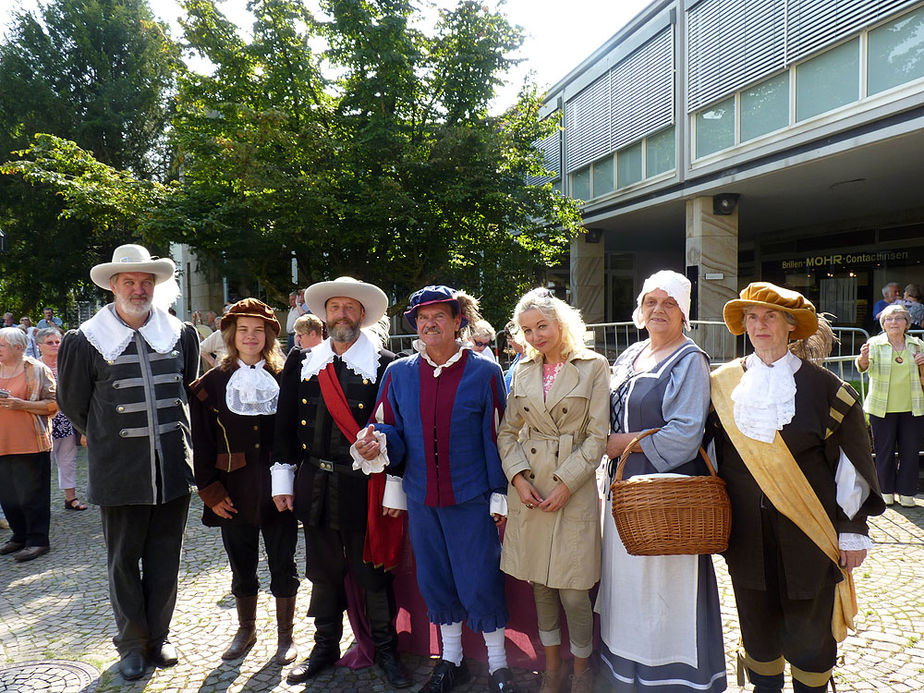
x=482, y=334
x=27, y=400
x=895, y=402
x=64, y=437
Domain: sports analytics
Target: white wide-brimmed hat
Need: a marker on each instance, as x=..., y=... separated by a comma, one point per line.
x=132, y=258
x=374, y=300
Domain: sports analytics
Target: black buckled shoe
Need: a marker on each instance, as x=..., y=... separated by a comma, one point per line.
x=389, y=664
x=163, y=654
x=445, y=676
x=502, y=681
x=319, y=660
x=131, y=666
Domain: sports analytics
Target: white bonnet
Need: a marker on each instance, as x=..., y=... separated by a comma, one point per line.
x=675, y=285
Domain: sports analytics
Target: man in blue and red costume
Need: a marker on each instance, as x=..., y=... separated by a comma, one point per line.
x=436, y=422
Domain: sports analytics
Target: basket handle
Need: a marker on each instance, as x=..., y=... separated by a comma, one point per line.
x=617, y=476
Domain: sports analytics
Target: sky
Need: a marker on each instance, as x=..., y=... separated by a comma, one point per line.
x=559, y=35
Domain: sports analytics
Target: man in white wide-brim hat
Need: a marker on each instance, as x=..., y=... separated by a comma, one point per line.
x=122, y=379
x=326, y=397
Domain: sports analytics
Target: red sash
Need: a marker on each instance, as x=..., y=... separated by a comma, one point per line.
x=383, y=533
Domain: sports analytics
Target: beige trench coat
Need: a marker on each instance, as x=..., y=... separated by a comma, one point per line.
x=559, y=438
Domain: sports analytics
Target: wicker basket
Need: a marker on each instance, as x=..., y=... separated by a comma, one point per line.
x=671, y=516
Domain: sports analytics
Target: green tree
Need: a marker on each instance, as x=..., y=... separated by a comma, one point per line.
x=392, y=171
x=100, y=73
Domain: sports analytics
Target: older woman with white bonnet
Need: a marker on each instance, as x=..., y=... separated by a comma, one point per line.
x=659, y=615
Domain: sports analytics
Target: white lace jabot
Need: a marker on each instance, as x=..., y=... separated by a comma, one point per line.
x=109, y=335
x=765, y=398
x=420, y=347
x=362, y=358
x=251, y=390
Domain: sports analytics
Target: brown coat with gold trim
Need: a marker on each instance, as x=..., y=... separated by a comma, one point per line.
x=231, y=454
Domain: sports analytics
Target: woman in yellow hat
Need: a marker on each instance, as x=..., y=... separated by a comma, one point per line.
x=792, y=446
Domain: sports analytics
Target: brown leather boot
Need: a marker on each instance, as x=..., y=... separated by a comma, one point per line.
x=246, y=634
x=285, y=613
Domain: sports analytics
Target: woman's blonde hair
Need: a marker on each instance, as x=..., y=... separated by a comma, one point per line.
x=895, y=308
x=272, y=352
x=569, y=318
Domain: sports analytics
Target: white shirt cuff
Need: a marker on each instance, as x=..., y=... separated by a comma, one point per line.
x=851, y=488
x=498, y=504
x=373, y=466
x=854, y=542
x=283, y=476
x=394, y=496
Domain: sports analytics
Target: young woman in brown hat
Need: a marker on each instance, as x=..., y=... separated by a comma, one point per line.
x=792, y=446
x=232, y=409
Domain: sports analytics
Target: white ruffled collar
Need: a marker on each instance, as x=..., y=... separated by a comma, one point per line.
x=438, y=368
x=362, y=358
x=110, y=336
x=251, y=390
x=765, y=398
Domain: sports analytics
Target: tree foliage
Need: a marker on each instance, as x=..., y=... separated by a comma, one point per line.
x=353, y=140
x=99, y=73
x=392, y=170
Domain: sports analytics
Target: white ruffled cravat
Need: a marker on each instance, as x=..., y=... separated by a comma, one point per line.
x=765, y=398
x=251, y=390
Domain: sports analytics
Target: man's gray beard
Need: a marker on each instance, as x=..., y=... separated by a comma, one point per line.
x=126, y=306
x=344, y=334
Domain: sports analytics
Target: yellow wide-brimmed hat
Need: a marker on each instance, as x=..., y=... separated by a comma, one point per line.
x=776, y=297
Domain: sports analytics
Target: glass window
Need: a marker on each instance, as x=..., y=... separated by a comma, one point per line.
x=629, y=165
x=896, y=52
x=659, y=152
x=715, y=128
x=603, y=176
x=580, y=184
x=765, y=107
x=830, y=80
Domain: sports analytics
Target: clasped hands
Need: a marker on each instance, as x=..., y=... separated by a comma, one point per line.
x=531, y=497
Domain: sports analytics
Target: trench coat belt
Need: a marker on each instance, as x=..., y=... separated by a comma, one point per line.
x=565, y=441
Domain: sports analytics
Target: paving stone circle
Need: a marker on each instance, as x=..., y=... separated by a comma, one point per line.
x=49, y=676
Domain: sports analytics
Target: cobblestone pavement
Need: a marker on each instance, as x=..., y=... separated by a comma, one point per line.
x=56, y=624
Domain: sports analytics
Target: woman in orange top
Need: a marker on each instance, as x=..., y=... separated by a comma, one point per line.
x=27, y=400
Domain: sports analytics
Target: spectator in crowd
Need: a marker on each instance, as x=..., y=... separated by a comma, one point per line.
x=296, y=309
x=439, y=410
x=27, y=401
x=213, y=347
x=891, y=292
x=517, y=347
x=659, y=615
x=912, y=302
x=233, y=410
x=64, y=437
x=551, y=440
x=482, y=334
x=123, y=377
x=895, y=403
x=326, y=397
x=793, y=450
x=8, y=320
x=49, y=319
x=25, y=324
x=309, y=331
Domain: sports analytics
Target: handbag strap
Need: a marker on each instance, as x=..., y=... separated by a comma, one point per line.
x=617, y=476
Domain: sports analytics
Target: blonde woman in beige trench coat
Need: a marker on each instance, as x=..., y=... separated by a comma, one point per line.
x=551, y=440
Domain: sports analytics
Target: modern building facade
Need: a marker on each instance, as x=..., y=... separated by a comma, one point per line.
x=745, y=140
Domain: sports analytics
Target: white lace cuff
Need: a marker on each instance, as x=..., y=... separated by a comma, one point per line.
x=283, y=476
x=371, y=466
x=854, y=542
x=394, y=496
x=498, y=504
